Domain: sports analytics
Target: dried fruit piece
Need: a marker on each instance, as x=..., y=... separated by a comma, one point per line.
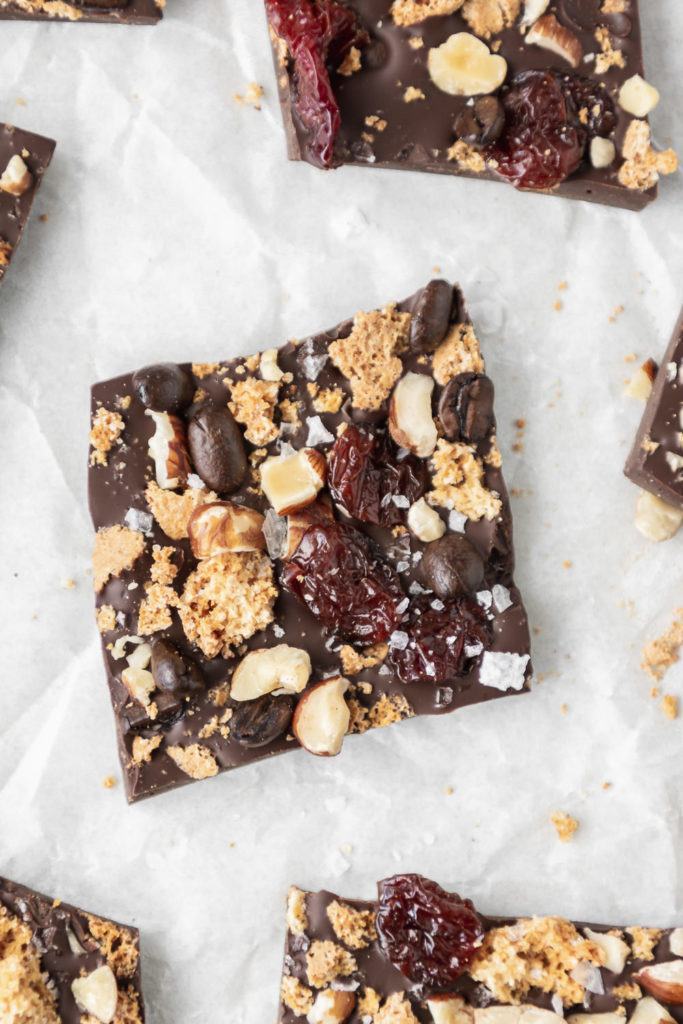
x=217, y=448
x=550, y=35
x=292, y=480
x=638, y=97
x=410, y=414
x=431, y=316
x=429, y=934
x=322, y=716
x=482, y=123
x=163, y=387
x=16, y=177
x=168, y=448
x=452, y=567
x=280, y=669
x=369, y=483
x=257, y=722
x=97, y=993
x=432, y=643
x=337, y=573
x=464, y=66
x=220, y=526
x=663, y=981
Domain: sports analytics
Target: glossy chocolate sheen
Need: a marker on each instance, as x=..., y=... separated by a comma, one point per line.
x=49, y=920
x=121, y=12
x=662, y=424
x=36, y=152
x=120, y=486
x=377, y=972
x=418, y=134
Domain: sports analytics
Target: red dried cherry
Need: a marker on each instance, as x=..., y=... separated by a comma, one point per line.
x=338, y=575
x=429, y=934
x=431, y=641
x=369, y=483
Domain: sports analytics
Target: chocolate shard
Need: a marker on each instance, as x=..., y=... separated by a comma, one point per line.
x=117, y=12
x=24, y=158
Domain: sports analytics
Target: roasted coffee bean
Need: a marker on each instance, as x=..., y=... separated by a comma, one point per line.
x=164, y=387
x=170, y=707
x=431, y=316
x=452, y=567
x=175, y=672
x=482, y=123
x=217, y=448
x=256, y=722
x=466, y=408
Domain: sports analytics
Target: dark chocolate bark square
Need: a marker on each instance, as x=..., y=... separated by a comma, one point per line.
x=24, y=158
x=547, y=96
x=420, y=955
x=61, y=965
x=312, y=541
x=122, y=12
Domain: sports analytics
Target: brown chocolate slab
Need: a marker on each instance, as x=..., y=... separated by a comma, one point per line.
x=70, y=943
x=203, y=722
x=655, y=462
x=117, y=12
x=36, y=152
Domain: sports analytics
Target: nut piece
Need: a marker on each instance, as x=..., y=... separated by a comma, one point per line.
x=449, y=1009
x=281, y=669
x=641, y=383
x=333, y=1006
x=299, y=522
x=676, y=941
x=664, y=981
x=524, y=1014
x=655, y=519
x=16, y=178
x=649, y=1011
x=602, y=152
x=322, y=717
x=637, y=96
x=140, y=684
x=292, y=481
x=221, y=526
x=268, y=365
x=595, y=1018
x=425, y=522
x=549, y=34
x=533, y=9
x=615, y=949
x=464, y=66
x=410, y=414
x=168, y=448
x=97, y=993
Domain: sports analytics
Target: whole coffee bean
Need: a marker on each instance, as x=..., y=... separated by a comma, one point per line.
x=170, y=707
x=217, y=448
x=482, y=123
x=431, y=316
x=452, y=566
x=164, y=387
x=256, y=722
x=466, y=408
x=174, y=672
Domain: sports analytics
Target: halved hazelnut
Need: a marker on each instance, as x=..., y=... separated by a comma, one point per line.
x=595, y=1018
x=140, y=684
x=664, y=981
x=615, y=949
x=637, y=96
x=602, y=152
x=140, y=656
x=649, y=1011
x=411, y=423
x=16, y=177
x=291, y=481
x=221, y=526
x=464, y=66
x=533, y=9
x=640, y=385
x=281, y=669
x=268, y=365
x=425, y=522
x=550, y=35
x=322, y=717
x=332, y=1006
x=168, y=448
x=524, y=1014
x=450, y=1009
x=676, y=941
x=97, y=993
x=655, y=519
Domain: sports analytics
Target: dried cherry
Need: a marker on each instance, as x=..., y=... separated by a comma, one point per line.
x=365, y=477
x=317, y=32
x=429, y=934
x=434, y=650
x=337, y=573
x=582, y=94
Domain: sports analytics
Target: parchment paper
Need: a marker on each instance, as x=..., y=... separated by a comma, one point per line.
x=177, y=230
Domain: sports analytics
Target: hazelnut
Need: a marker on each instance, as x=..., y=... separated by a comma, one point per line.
x=602, y=152
x=640, y=386
x=450, y=1009
x=595, y=1018
x=291, y=481
x=464, y=66
x=168, y=448
x=655, y=519
x=676, y=941
x=280, y=669
x=663, y=981
x=649, y=1011
x=425, y=522
x=268, y=365
x=16, y=178
x=97, y=993
x=550, y=35
x=140, y=684
x=332, y=1006
x=533, y=9
x=637, y=96
x=615, y=949
x=322, y=717
x=220, y=526
x=410, y=414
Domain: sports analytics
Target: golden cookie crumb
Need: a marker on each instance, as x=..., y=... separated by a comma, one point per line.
x=105, y=617
x=24, y=992
x=351, y=62
x=565, y=825
x=326, y=961
x=172, y=511
x=410, y=12
x=196, y=761
x=459, y=352
x=669, y=706
x=296, y=996
x=352, y=662
x=355, y=928
x=642, y=164
x=396, y=1010
x=643, y=941
x=297, y=919
x=467, y=157
x=661, y=653
x=116, y=549
x=105, y=432
x=144, y=748
x=489, y=17
x=253, y=404
x=109, y=782
x=458, y=482
x=369, y=356
x=389, y=709
x=252, y=95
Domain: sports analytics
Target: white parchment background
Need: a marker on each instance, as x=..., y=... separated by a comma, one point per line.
x=177, y=230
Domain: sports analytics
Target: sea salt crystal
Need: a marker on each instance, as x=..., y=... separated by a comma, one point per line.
x=484, y=598
x=501, y=597
x=136, y=519
x=195, y=481
x=312, y=365
x=398, y=640
x=456, y=521
x=503, y=670
x=317, y=432
x=400, y=501
x=472, y=650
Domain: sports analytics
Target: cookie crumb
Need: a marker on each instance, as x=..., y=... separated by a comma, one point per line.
x=566, y=826
x=669, y=706
x=662, y=652
x=252, y=95
x=109, y=782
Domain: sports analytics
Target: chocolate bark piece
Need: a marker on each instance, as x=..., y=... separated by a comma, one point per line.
x=121, y=12
x=333, y=586
x=540, y=969
x=392, y=114
x=47, y=947
x=655, y=462
x=35, y=152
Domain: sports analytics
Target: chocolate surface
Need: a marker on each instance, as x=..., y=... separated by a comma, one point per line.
x=122, y=12
x=36, y=152
x=119, y=487
x=655, y=462
x=375, y=971
x=418, y=134
x=58, y=930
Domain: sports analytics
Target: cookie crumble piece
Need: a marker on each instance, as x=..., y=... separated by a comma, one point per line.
x=106, y=429
x=566, y=826
x=116, y=549
x=196, y=761
x=144, y=748
x=297, y=918
x=253, y=404
x=459, y=352
x=458, y=482
x=296, y=996
x=355, y=928
x=172, y=510
x=487, y=18
x=642, y=164
x=661, y=653
x=643, y=942
x=105, y=617
x=369, y=356
x=326, y=961
x=411, y=12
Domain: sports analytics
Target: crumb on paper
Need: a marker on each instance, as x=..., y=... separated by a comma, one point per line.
x=630, y=358
x=607, y=785
x=617, y=310
x=662, y=652
x=252, y=94
x=669, y=706
x=109, y=782
x=448, y=791
x=68, y=584
x=557, y=305
x=566, y=826
x=562, y=286
x=567, y=564
x=563, y=709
